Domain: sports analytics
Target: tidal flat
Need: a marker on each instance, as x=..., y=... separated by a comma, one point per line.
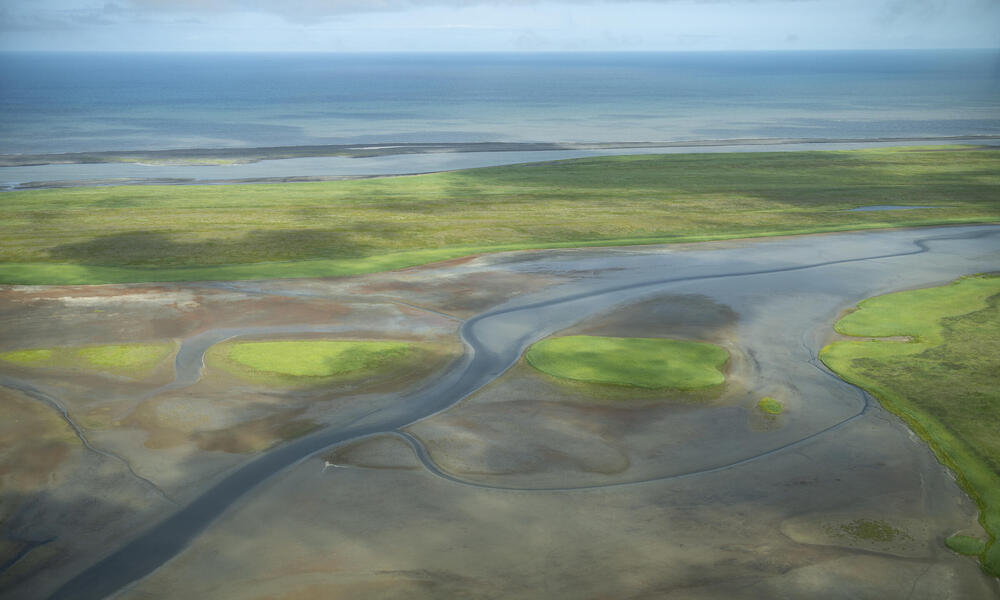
x=524, y=485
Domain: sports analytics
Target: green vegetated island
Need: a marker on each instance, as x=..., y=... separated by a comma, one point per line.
x=225, y=232
x=317, y=362
x=652, y=363
x=940, y=373
x=134, y=360
x=294, y=363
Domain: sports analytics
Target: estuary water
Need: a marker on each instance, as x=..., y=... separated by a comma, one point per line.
x=55, y=103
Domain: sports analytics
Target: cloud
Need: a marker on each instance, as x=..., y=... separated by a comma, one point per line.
x=57, y=16
x=61, y=14
x=309, y=10
x=497, y=24
x=921, y=10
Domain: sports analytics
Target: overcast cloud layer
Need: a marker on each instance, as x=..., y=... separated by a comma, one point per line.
x=477, y=25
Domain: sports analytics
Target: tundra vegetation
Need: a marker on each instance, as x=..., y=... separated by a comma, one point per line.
x=652, y=363
x=944, y=382
x=198, y=232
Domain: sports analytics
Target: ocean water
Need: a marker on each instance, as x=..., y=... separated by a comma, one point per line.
x=90, y=102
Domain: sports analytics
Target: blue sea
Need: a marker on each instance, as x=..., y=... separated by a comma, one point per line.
x=92, y=102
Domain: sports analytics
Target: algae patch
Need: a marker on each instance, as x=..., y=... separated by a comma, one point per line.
x=770, y=406
x=871, y=530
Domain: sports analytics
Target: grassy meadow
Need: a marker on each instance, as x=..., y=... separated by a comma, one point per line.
x=944, y=382
x=171, y=233
x=651, y=363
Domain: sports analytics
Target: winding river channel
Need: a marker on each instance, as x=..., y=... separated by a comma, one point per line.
x=794, y=271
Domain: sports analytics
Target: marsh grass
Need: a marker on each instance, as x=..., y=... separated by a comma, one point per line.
x=965, y=544
x=945, y=382
x=30, y=357
x=871, y=530
x=651, y=363
x=164, y=233
x=309, y=363
x=133, y=360
x=316, y=358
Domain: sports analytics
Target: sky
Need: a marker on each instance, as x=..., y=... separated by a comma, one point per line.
x=495, y=25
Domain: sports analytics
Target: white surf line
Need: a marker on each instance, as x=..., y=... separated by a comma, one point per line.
x=37, y=394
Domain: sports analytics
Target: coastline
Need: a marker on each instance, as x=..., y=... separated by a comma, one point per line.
x=296, y=164
x=208, y=156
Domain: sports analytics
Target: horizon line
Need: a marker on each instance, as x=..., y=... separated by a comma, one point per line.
x=509, y=51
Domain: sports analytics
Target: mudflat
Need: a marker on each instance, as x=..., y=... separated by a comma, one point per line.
x=515, y=485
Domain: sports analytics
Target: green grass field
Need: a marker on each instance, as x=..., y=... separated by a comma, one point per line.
x=314, y=362
x=945, y=382
x=134, y=360
x=172, y=233
x=651, y=363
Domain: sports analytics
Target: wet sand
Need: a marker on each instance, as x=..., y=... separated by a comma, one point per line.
x=326, y=163
x=247, y=155
x=672, y=496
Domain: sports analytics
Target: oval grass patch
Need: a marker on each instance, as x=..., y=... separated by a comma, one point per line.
x=311, y=362
x=652, y=363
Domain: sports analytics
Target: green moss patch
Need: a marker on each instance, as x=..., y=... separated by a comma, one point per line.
x=945, y=382
x=312, y=362
x=135, y=360
x=770, y=406
x=652, y=363
x=870, y=530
